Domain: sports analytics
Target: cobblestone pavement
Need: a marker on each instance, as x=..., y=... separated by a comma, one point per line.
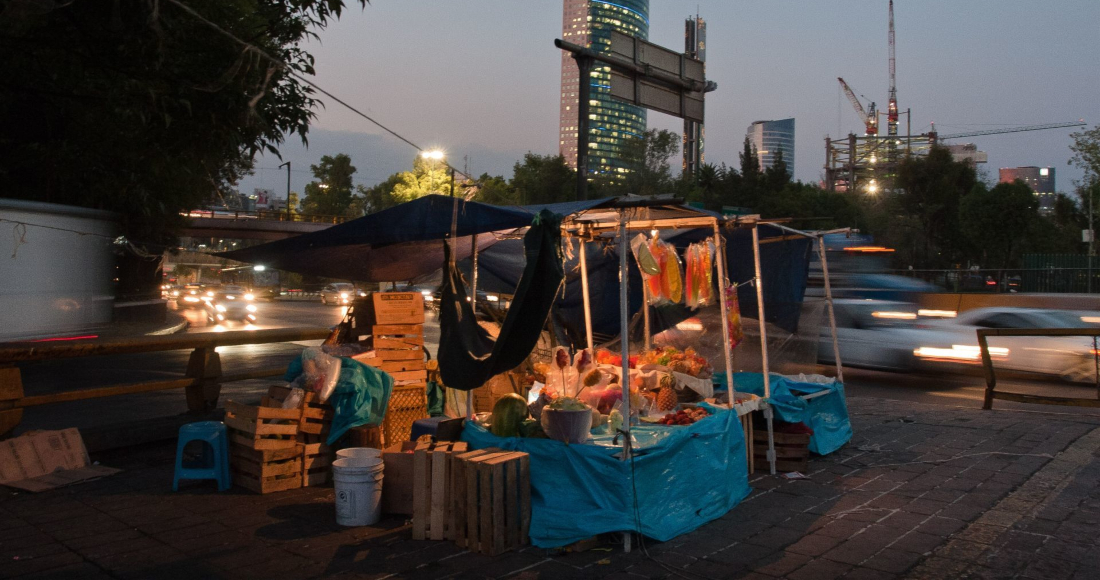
x=922, y=491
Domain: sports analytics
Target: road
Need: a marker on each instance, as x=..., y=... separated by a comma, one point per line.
x=959, y=390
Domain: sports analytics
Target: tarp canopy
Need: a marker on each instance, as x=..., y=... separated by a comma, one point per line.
x=400, y=243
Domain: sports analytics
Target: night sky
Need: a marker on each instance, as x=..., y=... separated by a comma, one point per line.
x=480, y=78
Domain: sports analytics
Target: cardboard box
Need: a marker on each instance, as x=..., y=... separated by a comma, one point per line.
x=397, y=478
x=398, y=308
x=44, y=460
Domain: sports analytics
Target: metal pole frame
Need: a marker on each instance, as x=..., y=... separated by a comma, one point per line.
x=624, y=344
x=585, y=295
x=584, y=80
x=758, y=281
x=287, y=190
x=720, y=259
x=829, y=305
x=473, y=302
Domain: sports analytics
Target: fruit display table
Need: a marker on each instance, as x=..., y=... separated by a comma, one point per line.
x=679, y=478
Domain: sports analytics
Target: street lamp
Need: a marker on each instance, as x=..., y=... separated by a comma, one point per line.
x=438, y=155
x=287, y=189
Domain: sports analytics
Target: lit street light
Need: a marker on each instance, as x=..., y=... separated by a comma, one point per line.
x=438, y=155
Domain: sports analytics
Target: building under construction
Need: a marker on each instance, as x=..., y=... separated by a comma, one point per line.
x=868, y=163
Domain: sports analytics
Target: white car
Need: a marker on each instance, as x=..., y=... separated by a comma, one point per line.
x=946, y=344
x=866, y=334
x=340, y=293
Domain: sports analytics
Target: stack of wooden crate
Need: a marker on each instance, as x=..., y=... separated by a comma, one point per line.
x=396, y=320
x=479, y=499
x=792, y=451
x=265, y=455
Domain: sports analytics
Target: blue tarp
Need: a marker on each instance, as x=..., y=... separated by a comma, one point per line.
x=361, y=396
x=680, y=478
x=827, y=414
x=396, y=244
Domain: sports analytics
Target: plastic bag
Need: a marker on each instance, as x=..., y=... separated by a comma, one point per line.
x=737, y=334
x=698, y=281
x=320, y=372
x=662, y=272
x=294, y=399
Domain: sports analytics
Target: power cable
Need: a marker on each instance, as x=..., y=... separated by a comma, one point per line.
x=282, y=65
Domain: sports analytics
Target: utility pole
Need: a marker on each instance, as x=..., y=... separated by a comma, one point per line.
x=584, y=65
x=287, y=189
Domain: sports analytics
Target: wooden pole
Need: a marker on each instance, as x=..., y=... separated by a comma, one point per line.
x=720, y=259
x=768, y=413
x=645, y=312
x=584, y=295
x=829, y=305
x=473, y=302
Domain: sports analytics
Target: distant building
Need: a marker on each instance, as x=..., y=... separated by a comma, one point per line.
x=968, y=153
x=695, y=45
x=769, y=137
x=1041, y=181
x=590, y=24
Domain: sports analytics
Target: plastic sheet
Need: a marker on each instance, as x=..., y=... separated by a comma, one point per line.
x=680, y=478
x=360, y=397
x=827, y=414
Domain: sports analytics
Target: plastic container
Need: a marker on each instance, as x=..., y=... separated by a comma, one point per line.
x=567, y=426
x=358, y=483
x=359, y=453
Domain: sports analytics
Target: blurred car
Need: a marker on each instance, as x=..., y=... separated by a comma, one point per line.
x=865, y=334
x=230, y=304
x=947, y=344
x=187, y=295
x=340, y=293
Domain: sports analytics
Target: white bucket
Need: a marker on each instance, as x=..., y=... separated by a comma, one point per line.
x=358, y=483
x=359, y=452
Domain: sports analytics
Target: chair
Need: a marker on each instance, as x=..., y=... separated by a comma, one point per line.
x=215, y=454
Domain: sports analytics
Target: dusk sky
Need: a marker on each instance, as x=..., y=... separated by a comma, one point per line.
x=480, y=78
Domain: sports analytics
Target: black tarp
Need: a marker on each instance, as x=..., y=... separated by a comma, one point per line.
x=468, y=357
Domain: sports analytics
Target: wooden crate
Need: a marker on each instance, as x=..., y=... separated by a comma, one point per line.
x=432, y=487
x=262, y=428
x=317, y=461
x=792, y=451
x=399, y=350
x=316, y=417
x=407, y=404
x=266, y=471
x=492, y=495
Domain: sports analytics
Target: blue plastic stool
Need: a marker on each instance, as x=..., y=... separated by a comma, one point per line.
x=215, y=454
x=428, y=426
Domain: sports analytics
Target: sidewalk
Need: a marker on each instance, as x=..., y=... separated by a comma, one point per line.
x=922, y=491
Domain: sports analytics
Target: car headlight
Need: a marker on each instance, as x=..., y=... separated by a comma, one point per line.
x=492, y=298
x=343, y=295
x=219, y=308
x=249, y=297
x=251, y=308
x=210, y=293
x=175, y=293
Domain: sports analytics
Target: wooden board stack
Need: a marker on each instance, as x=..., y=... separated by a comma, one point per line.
x=433, y=505
x=792, y=451
x=264, y=452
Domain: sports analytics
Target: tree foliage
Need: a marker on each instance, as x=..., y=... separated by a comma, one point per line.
x=931, y=188
x=544, y=179
x=141, y=108
x=331, y=191
x=646, y=158
x=996, y=221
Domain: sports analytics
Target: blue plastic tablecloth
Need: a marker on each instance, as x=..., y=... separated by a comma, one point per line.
x=680, y=478
x=827, y=414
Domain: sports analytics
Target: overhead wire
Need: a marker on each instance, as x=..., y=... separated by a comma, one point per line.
x=282, y=65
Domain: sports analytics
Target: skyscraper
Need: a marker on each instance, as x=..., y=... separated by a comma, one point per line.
x=695, y=46
x=1041, y=181
x=770, y=137
x=587, y=23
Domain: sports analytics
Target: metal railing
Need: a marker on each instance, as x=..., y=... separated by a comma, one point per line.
x=202, y=379
x=991, y=391
x=1049, y=280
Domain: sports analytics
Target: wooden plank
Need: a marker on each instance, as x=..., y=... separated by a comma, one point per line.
x=397, y=329
x=261, y=455
x=261, y=444
x=511, y=504
x=485, y=508
x=257, y=428
x=458, y=501
x=496, y=473
x=524, y=498
x=402, y=365
x=421, y=501
x=439, y=484
x=404, y=342
x=255, y=412
x=392, y=355
x=410, y=376
x=472, y=514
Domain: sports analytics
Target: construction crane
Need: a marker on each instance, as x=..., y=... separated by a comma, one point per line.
x=934, y=137
x=892, y=110
x=870, y=119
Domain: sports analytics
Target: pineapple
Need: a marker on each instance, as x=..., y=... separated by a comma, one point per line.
x=666, y=399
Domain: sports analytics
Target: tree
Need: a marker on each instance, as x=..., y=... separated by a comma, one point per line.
x=931, y=188
x=492, y=189
x=776, y=177
x=1086, y=152
x=997, y=221
x=750, y=162
x=331, y=192
x=646, y=158
x=544, y=179
x=379, y=197
x=144, y=109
